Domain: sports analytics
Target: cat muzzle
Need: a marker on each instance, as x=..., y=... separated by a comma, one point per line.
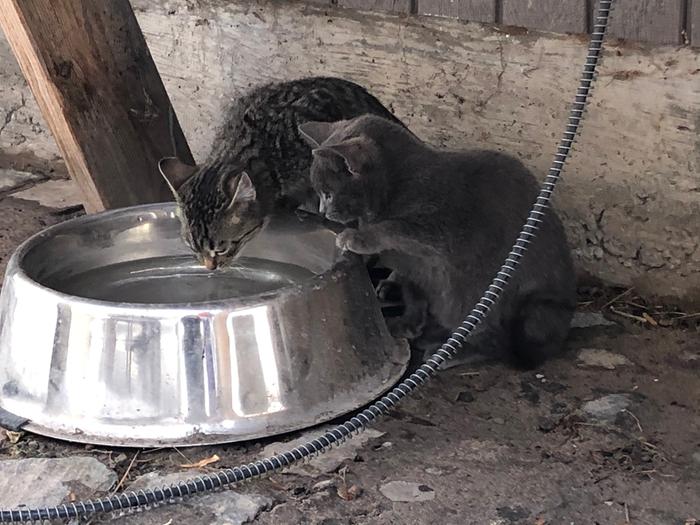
x=210, y=263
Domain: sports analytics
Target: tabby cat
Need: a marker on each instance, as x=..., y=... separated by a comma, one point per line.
x=444, y=221
x=259, y=164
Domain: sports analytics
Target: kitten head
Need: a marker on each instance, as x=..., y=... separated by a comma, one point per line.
x=346, y=171
x=219, y=211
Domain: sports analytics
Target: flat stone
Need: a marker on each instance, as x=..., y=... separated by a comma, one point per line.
x=323, y=485
x=287, y=513
x=605, y=409
x=600, y=358
x=58, y=194
x=590, y=320
x=407, y=491
x=217, y=508
x=324, y=463
x=50, y=481
x=11, y=179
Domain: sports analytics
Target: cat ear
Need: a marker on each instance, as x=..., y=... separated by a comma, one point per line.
x=316, y=133
x=175, y=172
x=242, y=189
x=357, y=152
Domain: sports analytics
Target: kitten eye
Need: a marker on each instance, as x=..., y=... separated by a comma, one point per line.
x=327, y=196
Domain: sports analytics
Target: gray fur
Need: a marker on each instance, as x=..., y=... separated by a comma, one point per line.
x=444, y=221
x=260, y=146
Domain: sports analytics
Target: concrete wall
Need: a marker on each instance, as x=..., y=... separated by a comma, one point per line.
x=631, y=193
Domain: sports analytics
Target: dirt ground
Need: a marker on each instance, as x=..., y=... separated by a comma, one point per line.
x=478, y=445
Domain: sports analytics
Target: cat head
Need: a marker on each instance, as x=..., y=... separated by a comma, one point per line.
x=218, y=209
x=347, y=169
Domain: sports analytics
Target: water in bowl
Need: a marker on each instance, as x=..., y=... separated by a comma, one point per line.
x=180, y=279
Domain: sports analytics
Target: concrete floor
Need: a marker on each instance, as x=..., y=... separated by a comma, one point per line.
x=607, y=434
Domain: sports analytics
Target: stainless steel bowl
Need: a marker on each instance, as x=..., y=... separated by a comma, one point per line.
x=111, y=333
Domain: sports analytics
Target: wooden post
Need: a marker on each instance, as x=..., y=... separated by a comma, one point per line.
x=88, y=66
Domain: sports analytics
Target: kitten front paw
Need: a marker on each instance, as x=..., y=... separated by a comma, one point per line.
x=402, y=328
x=352, y=240
x=389, y=291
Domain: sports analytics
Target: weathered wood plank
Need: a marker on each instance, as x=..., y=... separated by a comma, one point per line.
x=560, y=16
x=394, y=6
x=471, y=10
x=90, y=70
x=693, y=26
x=447, y=8
x=629, y=196
x=653, y=21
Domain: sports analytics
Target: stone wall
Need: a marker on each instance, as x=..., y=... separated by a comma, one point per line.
x=631, y=193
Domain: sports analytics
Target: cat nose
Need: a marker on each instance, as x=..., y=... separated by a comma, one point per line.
x=210, y=262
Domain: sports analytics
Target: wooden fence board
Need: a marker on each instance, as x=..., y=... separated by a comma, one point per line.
x=562, y=16
x=653, y=21
x=395, y=6
x=693, y=27
x=471, y=10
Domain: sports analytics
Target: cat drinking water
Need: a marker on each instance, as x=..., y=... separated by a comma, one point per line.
x=259, y=164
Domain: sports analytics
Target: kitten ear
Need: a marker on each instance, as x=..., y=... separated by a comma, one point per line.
x=242, y=189
x=316, y=133
x=357, y=152
x=175, y=172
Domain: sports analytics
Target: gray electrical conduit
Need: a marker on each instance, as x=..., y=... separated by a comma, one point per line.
x=228, y=477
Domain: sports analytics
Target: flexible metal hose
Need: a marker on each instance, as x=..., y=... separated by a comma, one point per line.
x=228, y=477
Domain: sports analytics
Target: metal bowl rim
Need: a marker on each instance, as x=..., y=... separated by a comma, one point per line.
x=14, y=269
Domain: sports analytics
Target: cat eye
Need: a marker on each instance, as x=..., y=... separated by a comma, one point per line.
x=327, y=196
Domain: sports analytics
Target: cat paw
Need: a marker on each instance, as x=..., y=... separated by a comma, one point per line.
x=352, y=240
x=388, y=290
x=401, y=328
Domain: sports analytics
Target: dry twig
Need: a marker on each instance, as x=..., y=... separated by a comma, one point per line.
x=636, y=420
x=202, y=463
x=128, y=469
x=616, y=298
x=628, y=316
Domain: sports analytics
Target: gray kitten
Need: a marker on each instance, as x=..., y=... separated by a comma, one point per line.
x=444, y=221
x=259, y=164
